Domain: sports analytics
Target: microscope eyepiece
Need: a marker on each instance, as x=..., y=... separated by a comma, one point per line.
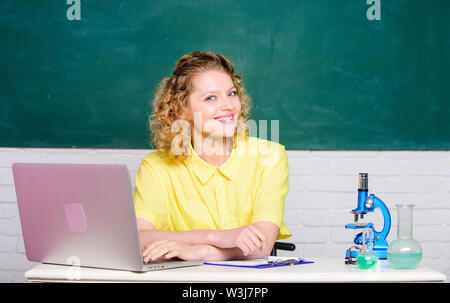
x=363, y=184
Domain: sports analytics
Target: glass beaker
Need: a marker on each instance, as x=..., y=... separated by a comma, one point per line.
x=367, y=258
x=404, y=252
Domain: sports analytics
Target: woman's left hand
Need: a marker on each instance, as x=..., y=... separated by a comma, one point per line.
x=166, y=249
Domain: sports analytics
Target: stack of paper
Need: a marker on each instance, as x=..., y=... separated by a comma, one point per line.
x=266, y=262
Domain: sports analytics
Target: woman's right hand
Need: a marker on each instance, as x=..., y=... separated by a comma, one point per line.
x=248, y=239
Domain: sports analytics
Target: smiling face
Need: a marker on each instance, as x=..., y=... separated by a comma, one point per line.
x=214, y=105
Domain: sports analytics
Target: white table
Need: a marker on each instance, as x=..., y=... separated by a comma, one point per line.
x=322, y=270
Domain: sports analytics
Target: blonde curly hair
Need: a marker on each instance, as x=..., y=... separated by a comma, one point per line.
x=172, y=96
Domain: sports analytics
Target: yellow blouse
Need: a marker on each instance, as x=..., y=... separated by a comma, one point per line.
x=249, y=187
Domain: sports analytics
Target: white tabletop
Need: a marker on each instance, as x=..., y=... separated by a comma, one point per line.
x=322, y=270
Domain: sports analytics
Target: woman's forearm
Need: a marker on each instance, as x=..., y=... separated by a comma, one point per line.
x=148, y=236
x=220, y=238
x=213, y=253
x=226, y=244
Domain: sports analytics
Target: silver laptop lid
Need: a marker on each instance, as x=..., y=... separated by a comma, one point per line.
x=78, y=213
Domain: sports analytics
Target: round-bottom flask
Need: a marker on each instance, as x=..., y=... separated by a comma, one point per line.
x=404, y=252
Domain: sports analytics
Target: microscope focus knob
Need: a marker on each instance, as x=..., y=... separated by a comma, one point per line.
x=369, y=203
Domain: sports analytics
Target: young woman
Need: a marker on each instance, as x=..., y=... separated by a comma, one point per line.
x=210, y=191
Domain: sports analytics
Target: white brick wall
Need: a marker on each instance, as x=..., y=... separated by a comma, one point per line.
x=322, y=192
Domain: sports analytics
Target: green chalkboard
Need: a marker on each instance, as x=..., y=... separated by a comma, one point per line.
x=334, y=79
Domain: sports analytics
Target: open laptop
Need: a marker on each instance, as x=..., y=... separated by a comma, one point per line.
x=81, y=214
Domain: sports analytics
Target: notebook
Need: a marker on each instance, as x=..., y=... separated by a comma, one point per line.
x=81, y=213
x=271, y=261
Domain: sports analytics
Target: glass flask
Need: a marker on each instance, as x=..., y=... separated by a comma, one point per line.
x=367, y=258
x=404, y=252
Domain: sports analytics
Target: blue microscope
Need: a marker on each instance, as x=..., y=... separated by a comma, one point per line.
x=366, y=204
